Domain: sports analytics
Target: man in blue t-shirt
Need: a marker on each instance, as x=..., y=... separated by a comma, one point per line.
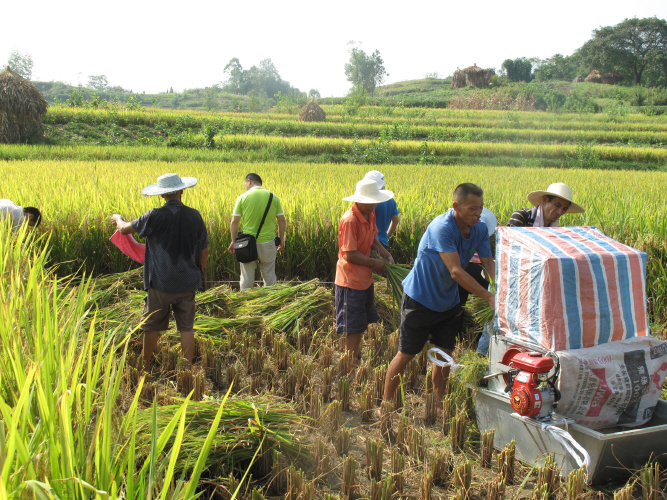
x=430, y=307
x=386, y=213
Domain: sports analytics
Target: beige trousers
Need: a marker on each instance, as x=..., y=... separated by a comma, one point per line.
x=266, y=254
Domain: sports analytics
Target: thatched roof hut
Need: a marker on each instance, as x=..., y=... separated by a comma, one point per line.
x=594, y=77
x=612, y=78
x=458, y=79
x=578, y=79
x=312, y=112
x=22, y=107
x=478, y=77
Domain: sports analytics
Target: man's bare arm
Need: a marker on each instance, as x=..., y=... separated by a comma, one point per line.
x=204, y=258
x=356, y=257
x=234, y=230
x=461, y=276
x=122, y=226
x=282, y=224
x=384, y=253
x=392, y=226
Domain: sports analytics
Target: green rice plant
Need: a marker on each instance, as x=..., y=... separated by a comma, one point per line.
x=64, y=433
x=473, y=368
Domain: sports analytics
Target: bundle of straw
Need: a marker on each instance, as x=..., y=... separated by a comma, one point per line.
x=266, y=300
x=396, y=273
x=209, y=325
x=288, y=318
x=243, y=426
x=480, y=309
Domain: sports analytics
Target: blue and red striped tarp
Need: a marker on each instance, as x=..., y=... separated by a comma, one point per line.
x=568, y=287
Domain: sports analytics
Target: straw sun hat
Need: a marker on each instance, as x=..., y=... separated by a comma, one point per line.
x=368, y=192
x=168, y=183
x=560, y=190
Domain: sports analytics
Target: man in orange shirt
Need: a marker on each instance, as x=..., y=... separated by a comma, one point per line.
x=357, y=235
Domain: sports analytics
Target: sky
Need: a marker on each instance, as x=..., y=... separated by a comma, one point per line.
x=150, y=46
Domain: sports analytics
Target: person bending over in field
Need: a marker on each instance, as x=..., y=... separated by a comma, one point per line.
x=548, y=206
x=176, y=253
x=430, y=307
x=357, y=235
x=386, y=213
x=19, y=215
x=249, y=209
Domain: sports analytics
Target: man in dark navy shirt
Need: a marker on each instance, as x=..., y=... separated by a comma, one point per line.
x=176, y=253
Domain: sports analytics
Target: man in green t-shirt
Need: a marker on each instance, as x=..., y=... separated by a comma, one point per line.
x=250, y=207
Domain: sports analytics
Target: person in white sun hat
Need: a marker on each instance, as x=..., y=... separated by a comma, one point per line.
x=386, y=213
x=548, y=207
x=176, y=254
x=357, y=236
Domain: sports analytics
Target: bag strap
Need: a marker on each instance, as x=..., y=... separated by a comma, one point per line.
x=265, y=214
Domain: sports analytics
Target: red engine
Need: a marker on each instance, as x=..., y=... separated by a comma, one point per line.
x=533, y=395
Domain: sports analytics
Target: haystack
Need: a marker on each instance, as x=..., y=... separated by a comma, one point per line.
x=22, y=107
x=312, y=112
x=578, y=79
x=478, y=77
x=458, y=79
x=612, y=78
x=594, y=77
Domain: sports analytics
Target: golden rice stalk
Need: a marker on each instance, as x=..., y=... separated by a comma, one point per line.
x=397, y=468
x=458, y=432
x=463, y=479
x=430, y=407
x=348, y=485
x=487, y=448
x=342, y=441
x=495, y=489
x=426, y=485
x=505, y=461
x=650, y=482
x=374, y=456
x=548, y=479
x=576, y=482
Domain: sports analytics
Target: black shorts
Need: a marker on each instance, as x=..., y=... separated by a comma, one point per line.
x=355, y=309
x=419, y=325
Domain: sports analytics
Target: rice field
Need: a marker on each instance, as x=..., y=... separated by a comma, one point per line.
x=269, y=409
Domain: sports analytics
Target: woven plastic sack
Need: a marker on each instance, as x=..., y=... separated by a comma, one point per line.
x=612, y=384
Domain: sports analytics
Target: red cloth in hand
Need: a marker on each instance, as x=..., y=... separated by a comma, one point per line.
x=129, y=246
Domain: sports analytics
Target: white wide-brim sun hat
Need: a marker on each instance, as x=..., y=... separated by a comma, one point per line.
x=561, y=191
x=377, y=176
x=489, y=219
x=368, y=192
x=168, y=183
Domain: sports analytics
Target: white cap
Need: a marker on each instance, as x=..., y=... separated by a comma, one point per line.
x=376, y=176
x=489, y=219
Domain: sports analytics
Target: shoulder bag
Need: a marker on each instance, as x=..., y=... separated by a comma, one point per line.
x=245, y=246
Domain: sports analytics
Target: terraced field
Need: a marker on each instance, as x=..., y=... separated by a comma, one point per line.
x=92, y=163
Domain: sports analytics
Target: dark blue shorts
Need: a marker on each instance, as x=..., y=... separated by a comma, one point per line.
x=355, y=309
x=419, y=325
